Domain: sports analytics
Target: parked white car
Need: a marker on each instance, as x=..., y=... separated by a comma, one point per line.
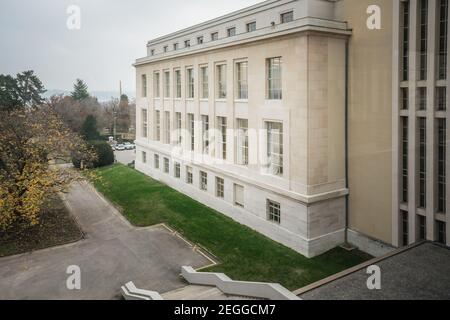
x=120, y=147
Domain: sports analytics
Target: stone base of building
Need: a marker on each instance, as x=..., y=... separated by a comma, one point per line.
x=367, y=244
x=308, y=229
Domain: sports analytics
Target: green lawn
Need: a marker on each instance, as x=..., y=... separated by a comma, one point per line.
x=243, y=253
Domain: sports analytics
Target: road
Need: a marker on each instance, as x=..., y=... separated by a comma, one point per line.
x=125, y=156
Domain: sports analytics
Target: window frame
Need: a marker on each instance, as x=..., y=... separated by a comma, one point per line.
x=273, y=211
x=274, y=76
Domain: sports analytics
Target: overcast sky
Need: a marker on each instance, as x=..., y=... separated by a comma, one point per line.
x=34, y=35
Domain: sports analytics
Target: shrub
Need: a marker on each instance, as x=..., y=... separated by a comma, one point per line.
x=104, y=155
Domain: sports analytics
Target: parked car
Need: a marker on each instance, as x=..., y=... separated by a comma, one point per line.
x=120, y=147
x=129, y=146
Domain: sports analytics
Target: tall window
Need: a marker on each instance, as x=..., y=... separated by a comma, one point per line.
x=166, y=84
x=175, y=46
x=242, y=141
x=274, y=78
x=441, y=98
x=273, y=211
x=178, y=126
x=144, y=85
x=166, y=48
x=422, y=98
x=405, y=98
x=423, y=39
x=156, y=85
x=221, y=81
x=204, y=82
x=238, y=195
x=404, y=126
x=205, y=134
x=443, y=39
x=166, y=165
x=251, y=26
x=440, y=232
x=441, y=174
x=275, y=147
x=144, y=157
x=422, y=222
x=404, y=220
x=177, y=84
x=191, y=129
x=219, y=187
x=189, y=175
x=177, y=170
x=203, y=181
x=214, y=36
x=144, y=123
x=231, y=32
x=156, y=161
x=287, y=17
x=167, y=126
x=405, y=38
x=157, y=125
x=422, y=162
x=222, y=126
x=242, y=80
x=190, y=83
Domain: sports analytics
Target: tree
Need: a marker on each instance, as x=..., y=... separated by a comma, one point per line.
x=80, y=90
x=23, y=91
x=89, y=128
x=31, y=139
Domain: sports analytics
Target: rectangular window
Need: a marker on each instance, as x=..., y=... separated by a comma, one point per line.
x=144, y=123
x=238, y=195
x=275, y=147
x=441, y=174
x=405, y=38
x=187, y=43
x=422, y=162
x=242, y=141
x=156, y=85
x=166, y=165
x=144, y=157
x=440, y=232
x=422, y=223
x=191, y=129
x=404, y=219
x=166, y=48
x=175, y=46
x=287, y=17
x=178, y=127
x=189, y=175
x=242, y=80
x=166, y=84
x=157, y=125
x=167, y=127
x=190, y=83
x=177, y=170
x=274, y=78
x=204, y=82
x=203, y=181
x=219, y=187
x=273, y=211
x=405, y=98
x=152, y=52
x=251, y=26
x=156, y=161
x=144, y=85
x=404, y=171
x=221, y=80
x=214, y=36
x=200, y=40
x=423, y=31
x=443, y=39
x=441, y=98
x=205, y=134
x=222, y=127
x=231, y=32
x=177, y=84
x=422, y=98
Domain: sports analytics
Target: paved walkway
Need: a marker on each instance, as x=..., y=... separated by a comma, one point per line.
x=112, y=253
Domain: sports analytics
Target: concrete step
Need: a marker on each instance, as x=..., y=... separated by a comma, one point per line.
x=194, y=292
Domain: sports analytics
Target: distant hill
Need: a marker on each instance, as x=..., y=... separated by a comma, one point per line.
x=102, y=96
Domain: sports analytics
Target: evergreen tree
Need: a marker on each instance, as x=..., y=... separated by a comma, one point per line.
x=89, y=128
x=23, y=91
x=80, y=90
